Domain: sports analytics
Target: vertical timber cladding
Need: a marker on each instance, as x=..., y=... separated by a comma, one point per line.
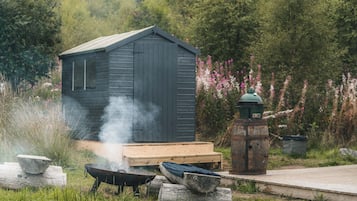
x=121, y=74
x=250, y=146
x=84, y=107
x=186, y=90
x=155, y=64
x=147, y=65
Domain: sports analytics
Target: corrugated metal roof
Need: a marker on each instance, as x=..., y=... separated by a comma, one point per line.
x=107, y=43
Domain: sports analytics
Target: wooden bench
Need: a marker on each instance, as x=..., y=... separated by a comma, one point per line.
x=151, y=154
x=148, y=154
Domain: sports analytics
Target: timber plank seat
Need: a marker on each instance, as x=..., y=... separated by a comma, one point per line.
x=151, y=154
x=148, y=154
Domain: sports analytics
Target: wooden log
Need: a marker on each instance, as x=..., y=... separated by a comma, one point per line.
x=174, y=192
x=12, y=177
x=278, y=114
x=153, y=187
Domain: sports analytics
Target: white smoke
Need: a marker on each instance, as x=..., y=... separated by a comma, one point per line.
x=119, y=117
x=76, y=117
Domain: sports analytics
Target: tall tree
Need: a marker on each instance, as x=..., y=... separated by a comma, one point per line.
x=152, y=12
x=77, y=24
x=84, y=20
x=297, y=38
x=346, y=23
x=173, y=16
x=29, y=38
x=223, y=28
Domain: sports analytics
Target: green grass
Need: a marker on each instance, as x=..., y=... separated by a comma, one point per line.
x=226, y=152
x=33, y=126
x=79, y=183
x=77, y=188
x=313, y=158
x=245, y=187
x=61, y=194
x=277, y=160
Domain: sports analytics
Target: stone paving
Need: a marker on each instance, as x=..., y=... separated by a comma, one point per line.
x=336, y=182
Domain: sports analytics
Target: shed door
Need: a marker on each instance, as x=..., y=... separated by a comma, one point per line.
x=155, y=88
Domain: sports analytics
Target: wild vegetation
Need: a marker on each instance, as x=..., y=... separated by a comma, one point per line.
x=300, y=56
x=298, y=51
x=327, y=119
x=33, y=124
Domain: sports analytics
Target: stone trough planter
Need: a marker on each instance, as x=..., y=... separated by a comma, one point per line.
x=31, y=164
x=294, y=145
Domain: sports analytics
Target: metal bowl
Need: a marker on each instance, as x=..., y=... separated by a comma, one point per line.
x=32, y=164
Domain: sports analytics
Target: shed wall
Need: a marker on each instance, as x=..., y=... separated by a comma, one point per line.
x=84, y=108
x=115, y=77
x=155, y=90
x=186, y=89
x=121, y=76
x=122, y=80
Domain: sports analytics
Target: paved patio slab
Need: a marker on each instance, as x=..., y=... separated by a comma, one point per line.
x=333, y=183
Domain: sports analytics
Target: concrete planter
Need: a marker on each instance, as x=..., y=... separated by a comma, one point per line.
x=33, y=164
x=294, y=145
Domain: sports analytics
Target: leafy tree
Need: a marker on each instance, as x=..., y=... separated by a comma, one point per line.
x=223, y=29
x=77, y=24
x=84, y=20
x=149, y=12
x=346, y=23
x=173, y=16
x=297, y=38
x=28, y=39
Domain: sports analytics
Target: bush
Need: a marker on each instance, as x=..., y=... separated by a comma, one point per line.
x=327, y=115
x=216, y=97
x=32, y=126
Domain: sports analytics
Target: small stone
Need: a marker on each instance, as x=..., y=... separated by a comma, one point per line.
x=348, y=152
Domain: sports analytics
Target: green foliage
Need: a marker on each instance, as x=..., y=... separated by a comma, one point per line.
x=32, y=126
x=314, y=158
x=297, y=38
x=29, y=38
x=320, y=197
x=173, y=16
x=346, y=23
x=226, y=152
x=320, y=157
x=216, y=96
x=151, y=12
x=247, y=187
x=77, y=188
x=47, y=88
x=223, y=29
x=211, y=114
x=62, y=194
x=302, y=39
x=85, y=20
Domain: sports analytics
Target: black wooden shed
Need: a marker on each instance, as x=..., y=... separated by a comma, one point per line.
x=147, y=65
